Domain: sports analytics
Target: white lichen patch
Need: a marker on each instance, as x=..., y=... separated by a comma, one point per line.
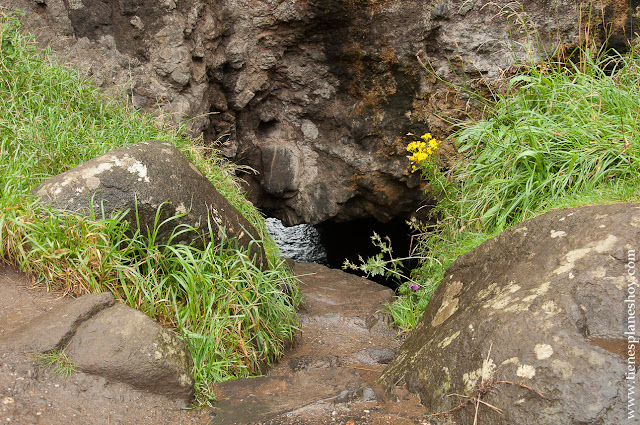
x=526, y=371
x=446, y=385
x=486, y=291
x=445, y=311
x=185, y=380
x=522, y=230
x=92, y=183
x=181, y=209
x=140, y=169
x=512, y=287
x=511, y=360
x=449, y=303
x=543, y=351
x=488, y=369
x=558, y=233
x=573, y=256
x=550, y=308
x=453, y=289
x=470, y=380
x=562, y=368
x=448, y=340
x=542, y=289
x=499, y=302
x=517, y=308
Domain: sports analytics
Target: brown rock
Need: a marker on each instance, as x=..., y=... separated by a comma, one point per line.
x=54, y=329
x=335, y=83
x=539, y=309
x=125, y=345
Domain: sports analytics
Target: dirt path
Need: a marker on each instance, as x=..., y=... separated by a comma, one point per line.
x=327, y=378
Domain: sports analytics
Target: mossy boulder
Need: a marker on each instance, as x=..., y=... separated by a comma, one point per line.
x=533, y=321
x=153, y=181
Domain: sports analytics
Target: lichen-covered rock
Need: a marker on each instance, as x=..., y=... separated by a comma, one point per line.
x=147, y=177
x=544, y=306
x=125, y=345
x=325, y=90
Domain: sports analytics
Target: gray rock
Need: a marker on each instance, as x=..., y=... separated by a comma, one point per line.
x=339, y=78
x=149, y=176
x=125, y=345
x=543, y=306
x=54, y=329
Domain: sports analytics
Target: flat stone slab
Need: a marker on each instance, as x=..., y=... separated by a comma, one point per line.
x=54, y=329
x=260, y=399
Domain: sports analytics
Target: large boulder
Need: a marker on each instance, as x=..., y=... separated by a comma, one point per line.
x=538, y=322
x=144, y=178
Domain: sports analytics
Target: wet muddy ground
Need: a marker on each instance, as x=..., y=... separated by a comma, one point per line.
x=329, y=377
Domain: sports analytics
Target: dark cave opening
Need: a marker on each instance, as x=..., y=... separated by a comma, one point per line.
x=352, y=239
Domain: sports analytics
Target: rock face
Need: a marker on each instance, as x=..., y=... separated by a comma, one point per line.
x=149, y=176
x=113, y=341
x=545, y=305
x=317, y=96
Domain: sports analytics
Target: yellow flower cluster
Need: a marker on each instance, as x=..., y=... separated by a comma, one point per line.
x=422, y=150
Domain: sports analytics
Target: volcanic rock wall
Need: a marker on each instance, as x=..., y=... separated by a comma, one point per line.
x=316, y=96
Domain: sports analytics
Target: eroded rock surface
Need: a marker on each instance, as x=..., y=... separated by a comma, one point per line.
x=144, y=178
x=317, y=96
x=109, y=340
x=540, y=305
x=125, y=345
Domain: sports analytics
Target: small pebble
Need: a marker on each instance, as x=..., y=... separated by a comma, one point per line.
x=7, y=400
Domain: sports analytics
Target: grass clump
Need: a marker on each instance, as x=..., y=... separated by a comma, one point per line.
x=564, y=134
x=56, y=361
x=234, y=317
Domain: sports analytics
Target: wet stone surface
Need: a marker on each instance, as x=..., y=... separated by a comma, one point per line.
x=329, y=377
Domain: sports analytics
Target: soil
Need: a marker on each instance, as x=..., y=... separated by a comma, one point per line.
x=329, y=377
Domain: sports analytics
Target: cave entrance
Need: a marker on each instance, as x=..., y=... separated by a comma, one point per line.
x=352, y=239
x=331, y=243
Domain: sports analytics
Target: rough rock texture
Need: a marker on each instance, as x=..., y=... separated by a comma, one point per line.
x=54, y=329
x=542, y=305
x=125, y=345
x=148, y=176
x=317, y=96
x=112, y=341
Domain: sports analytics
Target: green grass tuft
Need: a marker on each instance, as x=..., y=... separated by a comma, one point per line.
x=565, y=134
x=235, y=317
